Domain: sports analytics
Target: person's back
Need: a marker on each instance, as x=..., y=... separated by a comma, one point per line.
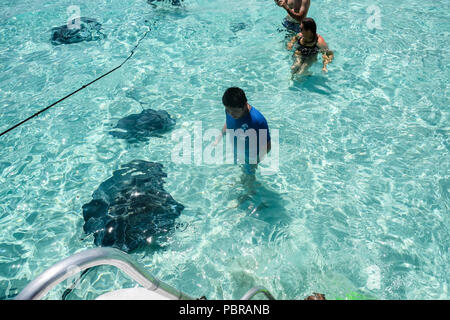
x=247, y=133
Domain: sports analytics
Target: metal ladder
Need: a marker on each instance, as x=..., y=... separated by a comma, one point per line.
x=82, y=261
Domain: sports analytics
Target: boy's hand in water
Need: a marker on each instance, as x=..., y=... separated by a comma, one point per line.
x=219, y=138
x=216, y=142
x=324, y=69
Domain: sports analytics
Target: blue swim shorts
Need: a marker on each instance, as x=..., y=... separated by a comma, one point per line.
x=291, y=26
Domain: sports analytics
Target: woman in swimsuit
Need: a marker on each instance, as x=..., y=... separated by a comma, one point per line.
x=309, y=44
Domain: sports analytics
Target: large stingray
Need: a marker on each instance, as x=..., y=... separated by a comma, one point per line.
x=131, y=209
x=89, y=30
x=138, y=127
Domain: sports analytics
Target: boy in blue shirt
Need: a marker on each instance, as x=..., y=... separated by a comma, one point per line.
x=247, y=129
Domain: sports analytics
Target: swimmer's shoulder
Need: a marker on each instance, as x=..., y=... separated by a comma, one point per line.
x=259, y=118
x=321, y=42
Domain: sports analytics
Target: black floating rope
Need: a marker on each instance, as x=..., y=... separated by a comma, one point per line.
x=83, y=87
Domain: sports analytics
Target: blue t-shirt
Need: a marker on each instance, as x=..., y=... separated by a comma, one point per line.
x=248, y=137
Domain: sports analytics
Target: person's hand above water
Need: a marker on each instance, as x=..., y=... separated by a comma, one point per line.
x=327, y=54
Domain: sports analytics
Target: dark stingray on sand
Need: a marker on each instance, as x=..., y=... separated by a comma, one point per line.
x=131, y=209
x=138, y=127
x=88, y=30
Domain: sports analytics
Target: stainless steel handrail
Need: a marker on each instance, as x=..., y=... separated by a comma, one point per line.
x=81, y=261
x=254, y=291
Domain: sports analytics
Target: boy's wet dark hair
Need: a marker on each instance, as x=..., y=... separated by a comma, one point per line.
x=234, y=97
x=309, y=25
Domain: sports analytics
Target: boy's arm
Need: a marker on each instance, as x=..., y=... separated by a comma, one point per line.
x=224, y=130
x=265, y=151
x=262, y=154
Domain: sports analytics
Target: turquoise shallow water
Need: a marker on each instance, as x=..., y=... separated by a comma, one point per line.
x=361, y=199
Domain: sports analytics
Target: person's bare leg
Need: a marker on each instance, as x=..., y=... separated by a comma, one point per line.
x=305, y=65
x=297, y=65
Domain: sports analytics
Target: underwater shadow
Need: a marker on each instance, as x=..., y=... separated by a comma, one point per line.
x=263, y=203
x=313, y=83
